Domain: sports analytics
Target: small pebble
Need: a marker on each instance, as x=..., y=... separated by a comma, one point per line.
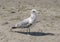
x=12, y=12
x=5, y=23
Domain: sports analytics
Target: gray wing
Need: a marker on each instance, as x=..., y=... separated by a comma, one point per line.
x=24, y=24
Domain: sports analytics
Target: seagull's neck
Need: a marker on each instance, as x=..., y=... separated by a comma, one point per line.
x=33, y=15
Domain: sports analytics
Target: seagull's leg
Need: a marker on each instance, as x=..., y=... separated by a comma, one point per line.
x=29, y=30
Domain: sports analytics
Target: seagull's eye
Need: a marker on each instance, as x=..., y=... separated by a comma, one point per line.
x=34, y=11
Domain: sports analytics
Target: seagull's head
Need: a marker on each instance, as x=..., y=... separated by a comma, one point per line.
x=34, y=11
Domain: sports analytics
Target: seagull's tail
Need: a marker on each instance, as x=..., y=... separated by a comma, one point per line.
x=14, y=27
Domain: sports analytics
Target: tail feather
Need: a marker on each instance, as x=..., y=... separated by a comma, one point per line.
x=14, y=27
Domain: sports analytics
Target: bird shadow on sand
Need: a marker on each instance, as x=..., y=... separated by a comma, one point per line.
x=35, y=33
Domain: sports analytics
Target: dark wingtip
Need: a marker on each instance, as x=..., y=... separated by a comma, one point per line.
x=13, y=27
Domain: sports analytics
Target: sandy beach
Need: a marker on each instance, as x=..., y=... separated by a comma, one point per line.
x=47, y=29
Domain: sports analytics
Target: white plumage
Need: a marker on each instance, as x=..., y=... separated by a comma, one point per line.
x=27, y=22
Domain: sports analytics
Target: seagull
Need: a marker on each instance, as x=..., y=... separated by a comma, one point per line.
x=26, y=23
